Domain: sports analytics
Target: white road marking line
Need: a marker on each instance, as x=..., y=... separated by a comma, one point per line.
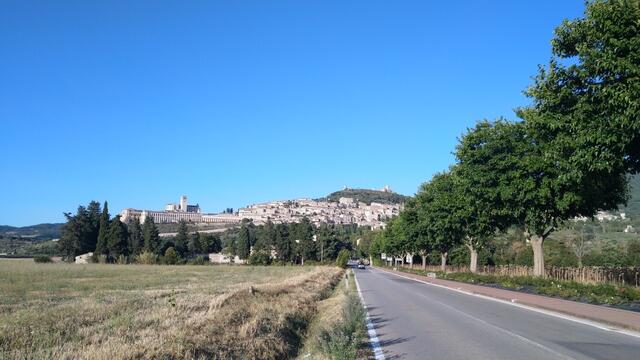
x=531, y=308
x=373, y=337
x=520, y=337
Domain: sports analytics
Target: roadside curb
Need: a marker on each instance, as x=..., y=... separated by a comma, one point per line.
x=599, y=316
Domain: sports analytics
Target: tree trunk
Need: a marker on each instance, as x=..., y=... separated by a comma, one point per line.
x=580, y=262
x=538, y=255
x=443, y=262
x=424, y=262
x=473, y=265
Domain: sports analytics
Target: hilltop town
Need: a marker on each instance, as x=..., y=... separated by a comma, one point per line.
x=358, y=208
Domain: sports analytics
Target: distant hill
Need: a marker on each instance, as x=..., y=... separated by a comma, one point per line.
x=368, y=196
x=633, y=206
x=39, y=231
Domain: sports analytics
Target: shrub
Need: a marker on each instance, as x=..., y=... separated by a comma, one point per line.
x=343, y=258
x=199, y=260
x=122, y=260
x=171, y=256
x=147, y=258
x=593, y=293
x=42, y=259
x=259, y=258
x=342, y=341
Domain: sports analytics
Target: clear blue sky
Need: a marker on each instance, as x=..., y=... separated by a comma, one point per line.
x=237, y=102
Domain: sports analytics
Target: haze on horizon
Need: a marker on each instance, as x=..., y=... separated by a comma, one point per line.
x=238, y=103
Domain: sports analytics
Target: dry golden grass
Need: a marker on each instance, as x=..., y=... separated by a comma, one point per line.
x=150, y=312
x=330, y=314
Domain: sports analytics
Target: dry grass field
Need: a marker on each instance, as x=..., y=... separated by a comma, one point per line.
x=142, y=312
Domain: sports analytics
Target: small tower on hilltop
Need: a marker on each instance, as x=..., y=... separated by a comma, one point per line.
x=183, y=203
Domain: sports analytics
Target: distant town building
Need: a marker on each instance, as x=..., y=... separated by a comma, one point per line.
x=84, y=258
x=175, y=212
x=346, y=211
x=346, y=201
x=219, y=258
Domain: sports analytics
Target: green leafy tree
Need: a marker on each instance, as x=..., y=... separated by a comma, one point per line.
x=260, y=257
x=304, y=233
x=409, y=231
x=343, y=258
x=78, y=234
x=283, y=243
x=210, y=243
x=583, y=122
x=151, y=236
x=244, y=242
x=266, y=237
x=439, y=207
x=477, y=193
x=392, y=243
x=101, y=242
x=587, y=100
x=69, y=243
x=377, y=245
x=194, y=245
x=93, y=226
x=171, y=256
x=532, y=190
x=181, y=238
x=136, y=240
x=117, y=238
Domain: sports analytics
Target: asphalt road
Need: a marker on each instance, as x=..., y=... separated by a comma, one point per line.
x=414, y=320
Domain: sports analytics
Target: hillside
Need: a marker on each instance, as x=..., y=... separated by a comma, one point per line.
x=368, y=196
x=39, y=231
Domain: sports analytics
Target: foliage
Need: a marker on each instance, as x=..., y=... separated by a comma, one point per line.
x=122, y=260
x=151, y=235
x=147, y=258
x=597, y=294
x=341, y=342
x=101, y=242
x=117, y=239
x=42, y=259
x=302, y=235
x=136, y=240
x=181, y=238
x=79, y=234
x=343, y=258
x=368, y=196
x=244, y=242
x=194, y=246
x=260, y=257
x=265, y=237
x=438, y=209
x=171, y=257
x=199, y=260
x=587, y=99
